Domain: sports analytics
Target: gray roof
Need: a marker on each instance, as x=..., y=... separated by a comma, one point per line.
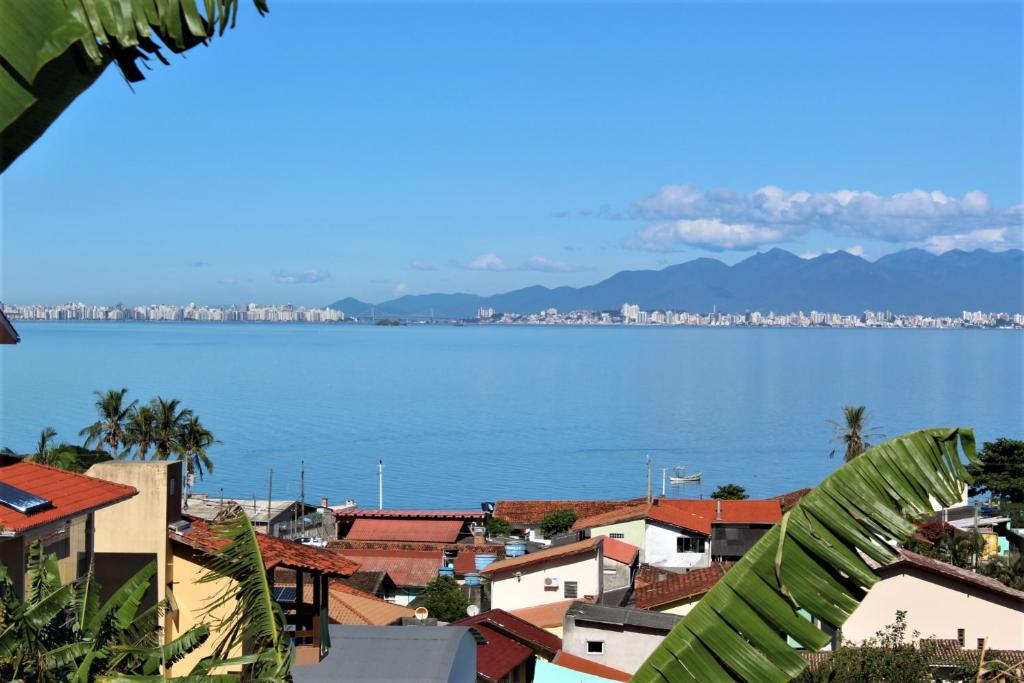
x=622, y=616
x=394, y=654
x=209, y=507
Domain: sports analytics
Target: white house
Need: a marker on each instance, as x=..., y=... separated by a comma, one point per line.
x=619, y=637
x=584, y=570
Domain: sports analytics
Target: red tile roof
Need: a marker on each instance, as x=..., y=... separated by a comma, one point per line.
x=553, y=553
x=356, y=608
x=409, y=514
x=406, y=568
x=570, y=661
x=276, y=552
x=465, y=562
x=70, y=494
x=551, y=615
x=655, y=587
x=510, y=642
x=415, y=530
x=940, y=568
x=620, y=551
x=789, y=500
x=693, y=515
x=533, y=511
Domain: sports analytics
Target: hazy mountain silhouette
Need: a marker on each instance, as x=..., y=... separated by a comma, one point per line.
x=912, y=281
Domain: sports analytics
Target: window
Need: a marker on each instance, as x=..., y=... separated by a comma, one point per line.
x=571, y=589
x=689, y=544
x=595, y=647
x=617, y=535
x=981, y=643
x=961, y=637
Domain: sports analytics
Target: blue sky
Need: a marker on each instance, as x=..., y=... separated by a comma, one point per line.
x=331, y=150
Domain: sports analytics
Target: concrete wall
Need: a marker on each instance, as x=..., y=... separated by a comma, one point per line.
x=625, y=648
x=937, y=607
x=616, y=575
x=660, y=548
x=509, y=592
x=633, y=532
x=682, y=607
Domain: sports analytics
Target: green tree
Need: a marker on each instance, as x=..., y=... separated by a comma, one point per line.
x=1000, y=471
x=192, y=442
x=108, y=432
x=557, y=521
x=141, y=431
x=888, y=656
x=497, y=527
x=60, y=48
x=444, y=600
x=853, y=432
x=168, y=425
x=730, y=492
x=1008, y=570
x=814, y=560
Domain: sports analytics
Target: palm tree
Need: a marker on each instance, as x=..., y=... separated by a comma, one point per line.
x=59, y=51
x=141, y=431
x=169, y=420
x=193, y=441
x=109, y=431
x=813, y=561
x=45, y=436
x=854, y=431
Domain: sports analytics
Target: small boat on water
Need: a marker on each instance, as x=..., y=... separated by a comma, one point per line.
x=679, y=477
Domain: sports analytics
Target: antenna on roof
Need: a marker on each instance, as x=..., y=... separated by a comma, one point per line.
x=380, y=484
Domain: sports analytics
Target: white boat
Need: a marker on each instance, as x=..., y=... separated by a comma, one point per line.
x=677, y=477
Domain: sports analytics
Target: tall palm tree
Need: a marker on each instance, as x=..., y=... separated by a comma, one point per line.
x=854, y=432
x=108, y=433
x=193, y=441
x=141, y=431
x=45, y=436
x=169, y=420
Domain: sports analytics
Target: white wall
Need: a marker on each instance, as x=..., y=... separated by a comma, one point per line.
x=509, y=592
x=660, y=548
x=624, y=650
x=937, y=607
x=633, y=532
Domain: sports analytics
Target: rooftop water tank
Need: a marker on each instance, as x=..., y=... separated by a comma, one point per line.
x=481, y=560
x=515, y=548
x=472, y=579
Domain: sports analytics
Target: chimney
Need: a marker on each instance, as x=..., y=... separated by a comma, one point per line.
x=323, y=503
x=718, y=510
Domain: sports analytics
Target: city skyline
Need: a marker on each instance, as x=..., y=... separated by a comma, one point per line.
x=485, y=154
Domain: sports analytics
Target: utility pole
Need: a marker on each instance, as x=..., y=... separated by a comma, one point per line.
x=302, y=494
x=380, y=484
x=663, y=470
x=649, y=495
x=270, y=493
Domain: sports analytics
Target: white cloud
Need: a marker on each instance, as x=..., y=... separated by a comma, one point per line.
x=546, y=265
x=912, y=216
x=487, y=262
x=400, y=289
x=993, y=239
x=300, y=277
x=420, y=265
x=708, y=233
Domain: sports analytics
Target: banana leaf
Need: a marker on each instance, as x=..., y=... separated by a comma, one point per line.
x=813, y=560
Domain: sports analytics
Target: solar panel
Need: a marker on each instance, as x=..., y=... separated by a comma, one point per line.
x=284, y=594
x=22, y=501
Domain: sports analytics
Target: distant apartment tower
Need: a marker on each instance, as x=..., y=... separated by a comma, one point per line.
x=485, y=313
x=630, y=313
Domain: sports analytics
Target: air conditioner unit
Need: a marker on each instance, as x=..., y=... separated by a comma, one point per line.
x=551, y=582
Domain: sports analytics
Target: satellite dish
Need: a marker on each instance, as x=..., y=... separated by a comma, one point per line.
x=472, y=610
x=420, y=613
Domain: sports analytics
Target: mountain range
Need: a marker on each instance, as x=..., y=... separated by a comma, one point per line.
x=911, y=281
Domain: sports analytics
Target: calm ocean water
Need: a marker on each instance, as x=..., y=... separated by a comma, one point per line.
x=463, y=415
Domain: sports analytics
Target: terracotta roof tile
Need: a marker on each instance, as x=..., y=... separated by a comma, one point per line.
x=788, y=500
x=551, y=615
x=619, y=551
x=70, y=494
x=655, y=587
x=583, y=665
x=414, y=530
x=365, y=581
x=552, y=553
x=354, y=607
x=949, y=571
x=533, y=511
x=510, y=642
x=406, y=568
x=693, y=515
x=361, y=513
x=620, y=514
x=276, y=552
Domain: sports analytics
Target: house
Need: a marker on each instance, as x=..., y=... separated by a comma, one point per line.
x=396, y=654
x=275, y=517
x=56, y=508
x=548, y=616
x=941, y=601
x=352, y=607
x=662, y=590
x=618, y=637
x=376, y=582
x=787, y=501
x=567, y=668
x=525, y=516
x=8, y=335
x=510, y=646
x=436, y=526
x=686, y=534
x=409, y=570
x=591, y=567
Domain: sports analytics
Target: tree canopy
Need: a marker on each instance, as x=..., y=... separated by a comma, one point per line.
x=1000, y=471
x=730, y=492
x=444, y=599
x=557, y=521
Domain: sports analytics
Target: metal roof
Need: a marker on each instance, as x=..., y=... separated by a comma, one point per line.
x=622, y=616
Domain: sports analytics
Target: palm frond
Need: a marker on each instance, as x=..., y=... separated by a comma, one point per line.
x=813, y=560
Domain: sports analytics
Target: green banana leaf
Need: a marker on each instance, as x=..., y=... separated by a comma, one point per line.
x=813, y=560
x=51, y=51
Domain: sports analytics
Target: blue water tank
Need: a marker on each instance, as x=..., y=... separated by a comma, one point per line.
x=515, y=548
x=447, y=570
x=472, y=579
x=481, y=560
